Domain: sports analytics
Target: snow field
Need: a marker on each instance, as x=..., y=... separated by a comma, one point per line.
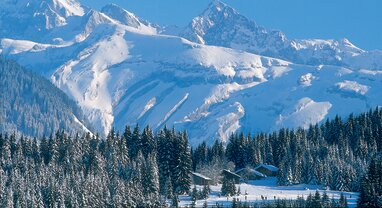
x=267, y=188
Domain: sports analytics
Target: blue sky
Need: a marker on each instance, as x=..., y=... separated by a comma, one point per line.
x=358, y=20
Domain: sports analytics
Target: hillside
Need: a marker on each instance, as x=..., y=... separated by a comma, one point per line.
x=32, y=106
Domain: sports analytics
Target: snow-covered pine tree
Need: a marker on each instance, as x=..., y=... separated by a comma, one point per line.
x=228, y=187
x=150, y=180
x=194, y=194
x=136, y=145
x=206, y=191
x=148, y=142
x=182, y=172
x=163, y=159
x=371, y=185
x=127, y=135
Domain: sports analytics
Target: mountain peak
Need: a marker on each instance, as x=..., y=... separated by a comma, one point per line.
x=19, y=17
x=218, y=7
x=64, y=8
x=114, y=7
x=217, y=4
x=68, y=7
x=94, y=17
x=120, y=14
x=127, y=18
x=218, y=18
x=221, y=25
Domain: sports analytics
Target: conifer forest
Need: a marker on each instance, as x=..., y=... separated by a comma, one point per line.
x=142, y=168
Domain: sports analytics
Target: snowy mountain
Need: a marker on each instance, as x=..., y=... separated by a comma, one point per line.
x=222, y=25
x=127, y=18
x=122, y=71
x=30, y=19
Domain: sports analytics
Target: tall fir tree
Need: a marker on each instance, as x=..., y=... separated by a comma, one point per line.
x=182, y=172
x=371, y=185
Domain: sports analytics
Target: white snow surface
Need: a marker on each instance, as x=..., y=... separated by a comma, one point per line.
x=201, y=176
x=305, y=112
x=353, y=86
x=148, y=106
x=121, y=71
x=82, y=125
x=267, y=188
x=306, y=79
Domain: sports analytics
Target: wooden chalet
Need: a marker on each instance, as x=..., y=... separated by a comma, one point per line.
x=250, y=174
x=268, y=170
x=201, y=180
x=231, y=176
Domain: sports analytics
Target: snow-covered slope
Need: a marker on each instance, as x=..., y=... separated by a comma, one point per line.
x=121, y=71
x=222, y=25
x=253, y=191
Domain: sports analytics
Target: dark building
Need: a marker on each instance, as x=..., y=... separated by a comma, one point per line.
x=250, y=174
x=231, y=176
x=199, y=179
x=268, y=170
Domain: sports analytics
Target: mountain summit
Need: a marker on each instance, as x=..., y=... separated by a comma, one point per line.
x=127, y=18
x=26, y=18
x=222, y=25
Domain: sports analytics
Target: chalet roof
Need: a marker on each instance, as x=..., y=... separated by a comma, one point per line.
x=251, y=170
x=201, y=176
x=232, y=173
x=269, y=167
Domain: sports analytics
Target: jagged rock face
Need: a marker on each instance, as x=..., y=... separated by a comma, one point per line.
x=30, y=18
x=221, y=25
x=121, y=71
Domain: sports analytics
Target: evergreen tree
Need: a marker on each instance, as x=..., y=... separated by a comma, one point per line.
x=127, y=135
x=163, y=159
x=228, y=187
x=150, y=179
x=182, y=170
x=194, y=194
x=371, y=185
x=316, y=200
x=136, y=145
x=310, y=201
x=325, y=201
x=206, y=191
x=148, y=142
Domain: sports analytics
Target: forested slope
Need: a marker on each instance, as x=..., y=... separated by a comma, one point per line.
x=31, y=105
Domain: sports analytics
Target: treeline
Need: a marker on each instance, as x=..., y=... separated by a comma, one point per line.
x=125, y=170
x=335, y=154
